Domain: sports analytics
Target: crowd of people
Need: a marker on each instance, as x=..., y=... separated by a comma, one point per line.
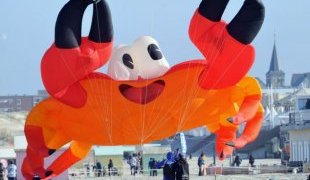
x=100, y=170
x=237, y=161
x=202, y=166
x=9, y=171
x=175, y=166
x=152, y=167
x=135, y=162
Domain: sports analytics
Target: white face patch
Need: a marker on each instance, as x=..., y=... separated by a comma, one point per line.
x=121, y=66
x=143, y=58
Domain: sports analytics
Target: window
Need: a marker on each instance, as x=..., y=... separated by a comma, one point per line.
x=294, y=152
x=306, y=151
x=4, y=101
x=18, y=102
x=300, y=152
x=304, y=104
x=36, y=100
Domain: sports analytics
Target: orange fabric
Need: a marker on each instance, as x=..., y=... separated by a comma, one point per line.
x=224, y=135
x=108, y=118
x=228, y=60
x=91, y=108
x=35, y=132
x=67, y=159
x=251, y=129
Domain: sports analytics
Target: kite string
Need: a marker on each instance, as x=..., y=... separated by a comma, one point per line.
x=95, y=85
x=229, y=65
x=195, y=90
x=104, y=104
x=92, y=85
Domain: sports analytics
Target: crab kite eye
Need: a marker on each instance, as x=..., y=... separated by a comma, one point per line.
x=154, y=52
x=148, y=59
x=122, y=64
x=127, y=60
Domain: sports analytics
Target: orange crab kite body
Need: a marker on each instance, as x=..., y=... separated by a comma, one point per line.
x=107, y=116
x=142, y=99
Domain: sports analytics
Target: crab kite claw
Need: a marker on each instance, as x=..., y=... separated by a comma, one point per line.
x=226, y=47
x=249, y=113
x=73, y=57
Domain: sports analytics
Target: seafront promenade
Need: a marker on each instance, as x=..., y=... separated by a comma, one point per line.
x=244, y=172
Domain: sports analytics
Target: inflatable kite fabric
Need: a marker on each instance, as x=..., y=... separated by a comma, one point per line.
x=142, y=99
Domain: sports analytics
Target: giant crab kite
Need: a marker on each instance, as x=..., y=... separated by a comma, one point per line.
x=142, y=99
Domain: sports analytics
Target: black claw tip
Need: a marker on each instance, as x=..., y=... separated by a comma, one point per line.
x=231, y=120
x=48, y=173
x=222, y=155
x=96, y=1
x=51, y=151
x=36, y=178
x=230, y=143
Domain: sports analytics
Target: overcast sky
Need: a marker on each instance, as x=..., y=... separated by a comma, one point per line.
x=27, y=30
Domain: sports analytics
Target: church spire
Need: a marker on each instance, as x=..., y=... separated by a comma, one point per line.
x=275, y=77
x=274, y=64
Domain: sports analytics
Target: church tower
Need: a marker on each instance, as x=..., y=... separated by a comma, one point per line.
x=275, y=77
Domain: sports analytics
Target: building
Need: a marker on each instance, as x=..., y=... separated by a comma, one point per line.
x=283, y=108
x=7, y=153
x=288, y=108
x=301, y=80
x=16, y=103
x=298, y=129
x=275, y=85
x=275, y=78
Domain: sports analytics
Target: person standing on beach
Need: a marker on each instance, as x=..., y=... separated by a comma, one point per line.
x=251, y=160
x=201, y=164
x=11, y=170
x=237, y=161
x=110, y=167
x=181, y=168
x=169, y=167
x=99, y=169
x=1, y=171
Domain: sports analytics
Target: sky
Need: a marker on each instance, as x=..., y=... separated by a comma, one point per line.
x=27, y=30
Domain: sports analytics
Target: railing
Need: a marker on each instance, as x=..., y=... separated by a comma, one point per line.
x=75, y=174
x=85, y=173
